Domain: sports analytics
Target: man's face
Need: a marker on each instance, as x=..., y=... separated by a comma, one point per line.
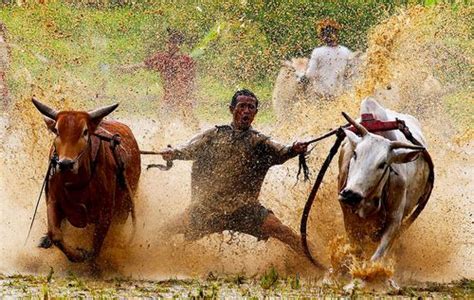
x=244, y=111
x=329, y=35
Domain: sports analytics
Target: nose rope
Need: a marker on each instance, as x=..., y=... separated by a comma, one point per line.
x=376, y=187
x=52, y=164
x=72, y=186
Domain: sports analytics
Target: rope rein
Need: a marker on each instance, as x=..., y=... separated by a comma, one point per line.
x=169, y=163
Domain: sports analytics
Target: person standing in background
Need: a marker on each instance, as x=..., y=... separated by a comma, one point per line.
x=178, y=73
x=328, y=64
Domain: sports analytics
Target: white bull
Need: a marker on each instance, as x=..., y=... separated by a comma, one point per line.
x=289, y=89
x=382, y=179
x=288, y=86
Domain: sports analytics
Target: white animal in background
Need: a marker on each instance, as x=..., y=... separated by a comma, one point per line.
x=292, y=84
x=288, y=86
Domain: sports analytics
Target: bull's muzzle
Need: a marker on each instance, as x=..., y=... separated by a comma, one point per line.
x=349, y=197
x=66, y=164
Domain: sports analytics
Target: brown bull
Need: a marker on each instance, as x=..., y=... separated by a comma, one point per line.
x=91, y=182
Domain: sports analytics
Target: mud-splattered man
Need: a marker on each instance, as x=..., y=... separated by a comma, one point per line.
x=230, y=164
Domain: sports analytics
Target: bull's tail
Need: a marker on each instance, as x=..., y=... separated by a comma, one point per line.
x=131, y=202
x=424, y=198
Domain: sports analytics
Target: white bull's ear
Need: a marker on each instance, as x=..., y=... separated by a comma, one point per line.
x=352, y=137
x=50, y=123
x=402, y=156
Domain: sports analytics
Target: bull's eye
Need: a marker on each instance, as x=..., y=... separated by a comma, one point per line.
x=355, y=155
x=54, y=130
x=382, y=165
x=86, y=132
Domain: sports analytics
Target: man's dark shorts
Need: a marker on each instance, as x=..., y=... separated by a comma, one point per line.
x=247, y=219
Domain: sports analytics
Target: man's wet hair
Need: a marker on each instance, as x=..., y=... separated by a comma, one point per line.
x=243, y=92
x=328, y=30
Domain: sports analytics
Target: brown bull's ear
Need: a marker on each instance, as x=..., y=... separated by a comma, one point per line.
x=44, y=109
x=51, y=124
x=98, y=114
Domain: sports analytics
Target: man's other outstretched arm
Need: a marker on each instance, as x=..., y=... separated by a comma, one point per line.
x=191, y=149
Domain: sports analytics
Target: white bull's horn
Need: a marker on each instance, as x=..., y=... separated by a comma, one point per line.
x=398, y=145
x=99, y=113
x=44, y=109
x=362, y=130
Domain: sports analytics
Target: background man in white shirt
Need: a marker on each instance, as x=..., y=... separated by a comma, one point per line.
x=328, y=63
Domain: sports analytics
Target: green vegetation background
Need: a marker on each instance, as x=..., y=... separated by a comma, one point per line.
x=74, y=47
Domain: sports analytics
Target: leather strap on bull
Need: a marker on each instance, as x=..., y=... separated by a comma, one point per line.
x=372, y=125
x=431, y=177
x=114, y=140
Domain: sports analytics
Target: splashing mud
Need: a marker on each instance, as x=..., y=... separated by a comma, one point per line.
x=417, y=62
x=422, y=53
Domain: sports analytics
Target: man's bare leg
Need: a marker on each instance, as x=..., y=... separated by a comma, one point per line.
x=273, y=227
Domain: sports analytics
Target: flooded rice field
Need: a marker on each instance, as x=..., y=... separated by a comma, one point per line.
x=224, y=287
x=417, y=62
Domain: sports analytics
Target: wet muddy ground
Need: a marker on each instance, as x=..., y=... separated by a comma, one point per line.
x=230, y=287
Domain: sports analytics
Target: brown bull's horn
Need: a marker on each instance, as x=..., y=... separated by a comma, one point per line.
x=45, y=110
x=362, y=130
x=398, y=145
x=99, y=113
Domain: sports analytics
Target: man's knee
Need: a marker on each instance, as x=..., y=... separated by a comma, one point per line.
x=272, y=225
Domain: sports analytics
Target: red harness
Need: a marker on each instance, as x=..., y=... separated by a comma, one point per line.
x=374, y=125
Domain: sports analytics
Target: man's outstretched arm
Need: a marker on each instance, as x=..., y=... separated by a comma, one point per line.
x=191, y=149
x=131, y=67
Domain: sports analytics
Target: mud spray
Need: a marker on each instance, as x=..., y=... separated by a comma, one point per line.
x=423, y=55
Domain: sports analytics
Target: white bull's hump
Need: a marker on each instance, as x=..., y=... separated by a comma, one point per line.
x=370, y=105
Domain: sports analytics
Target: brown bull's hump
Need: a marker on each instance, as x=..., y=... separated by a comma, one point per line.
x=131, y=151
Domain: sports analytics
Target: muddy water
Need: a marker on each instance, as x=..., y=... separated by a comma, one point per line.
x=413, y=52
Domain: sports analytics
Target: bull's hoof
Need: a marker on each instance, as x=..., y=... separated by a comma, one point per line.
x=45, y=242
x=85, y=255
x=353, y=286
x=80, y=256
x=95, y=270
x=393, y=285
